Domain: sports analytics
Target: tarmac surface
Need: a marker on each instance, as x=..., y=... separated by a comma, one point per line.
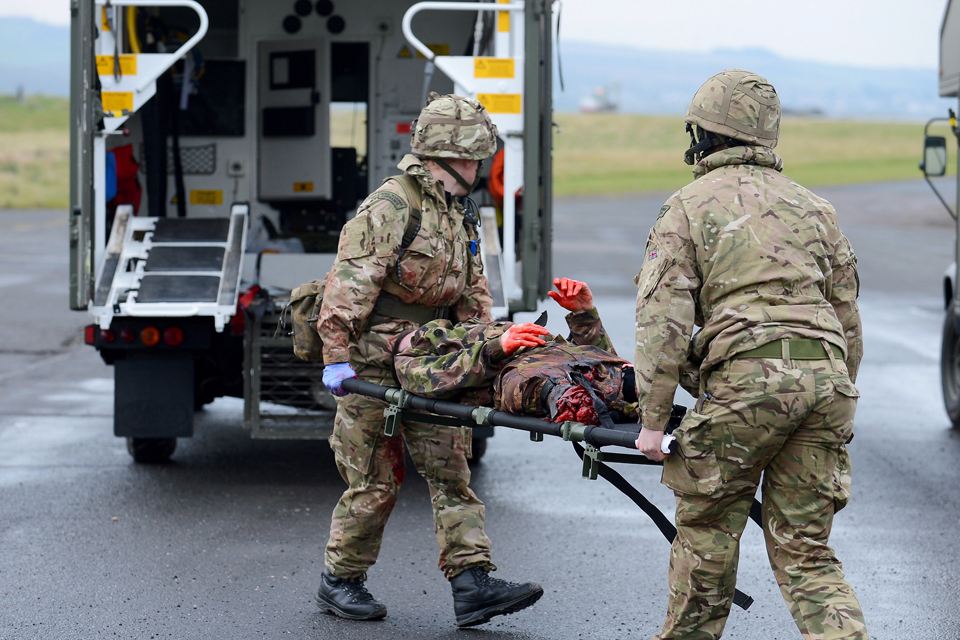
x=226, y=540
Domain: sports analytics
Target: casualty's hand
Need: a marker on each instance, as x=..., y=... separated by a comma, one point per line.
x=522, y=335
x=649, y=444
x=335, y=374
x=573, y=295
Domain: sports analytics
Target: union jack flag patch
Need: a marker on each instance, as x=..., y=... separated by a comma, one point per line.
x=653, y=255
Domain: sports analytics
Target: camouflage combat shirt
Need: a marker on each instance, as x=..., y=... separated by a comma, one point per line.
x=436, y=270
x=751, y=257
x=466, y=362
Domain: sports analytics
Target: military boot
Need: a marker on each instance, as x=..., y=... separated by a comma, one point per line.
x=477, y=597
x=348, y=599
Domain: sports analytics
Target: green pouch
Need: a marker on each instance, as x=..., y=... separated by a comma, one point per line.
x=304, y=310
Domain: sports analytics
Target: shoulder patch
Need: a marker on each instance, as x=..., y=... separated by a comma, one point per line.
x=392, y=198
x=663, y=210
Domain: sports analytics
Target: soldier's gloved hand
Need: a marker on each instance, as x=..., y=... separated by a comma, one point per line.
x=335, y=374
x=522, y=335
x=573, y=295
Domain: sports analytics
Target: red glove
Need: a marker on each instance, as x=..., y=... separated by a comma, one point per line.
x=576, y=404
x=522, y=335
x=573, y=295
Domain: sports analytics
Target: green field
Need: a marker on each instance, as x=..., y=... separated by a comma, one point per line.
x=594, y=154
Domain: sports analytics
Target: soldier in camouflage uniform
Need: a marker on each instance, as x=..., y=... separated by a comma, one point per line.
x=482, y=363
x=392, y=274
x=760, y=264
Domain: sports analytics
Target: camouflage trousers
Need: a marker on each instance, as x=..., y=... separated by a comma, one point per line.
x=372, y=465
x=787, y=421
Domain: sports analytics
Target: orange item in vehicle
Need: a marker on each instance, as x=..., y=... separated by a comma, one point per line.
x=495, y=183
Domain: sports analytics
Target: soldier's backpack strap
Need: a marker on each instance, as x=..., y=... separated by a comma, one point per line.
x=411, y=188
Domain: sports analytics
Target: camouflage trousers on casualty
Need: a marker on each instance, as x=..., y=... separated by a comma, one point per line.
x=373, y=467
x=787, y=421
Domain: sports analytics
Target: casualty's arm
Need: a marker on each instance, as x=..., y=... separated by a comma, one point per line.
x=462, y=363
x=667, y=286
x=844, y=289
x=365, y=254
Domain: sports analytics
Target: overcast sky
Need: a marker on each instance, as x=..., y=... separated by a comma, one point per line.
x=872, y=33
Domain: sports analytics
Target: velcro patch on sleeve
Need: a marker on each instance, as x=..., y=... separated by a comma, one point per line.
x=663, y=210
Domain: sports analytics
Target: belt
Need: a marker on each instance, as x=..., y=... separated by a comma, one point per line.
x=791, y=349
x=389, y=306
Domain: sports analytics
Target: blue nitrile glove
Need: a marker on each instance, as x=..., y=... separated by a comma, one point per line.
x=335, y=374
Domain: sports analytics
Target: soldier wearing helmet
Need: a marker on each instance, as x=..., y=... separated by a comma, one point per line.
x=760, y=265
x=410, y=256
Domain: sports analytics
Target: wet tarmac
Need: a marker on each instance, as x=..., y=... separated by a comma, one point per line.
x=225, y=541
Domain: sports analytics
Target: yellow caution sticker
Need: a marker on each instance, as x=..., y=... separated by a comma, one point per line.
x=503, y=19
x=501, y=102
x=104, y=23
x=405, y=52
x=206, y=196
x=115, y=103
x=128, y=65
x=493, y=68
x=303, y=187
x=438, y=48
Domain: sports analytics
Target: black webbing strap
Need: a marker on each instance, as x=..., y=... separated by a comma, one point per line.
x=669, y=532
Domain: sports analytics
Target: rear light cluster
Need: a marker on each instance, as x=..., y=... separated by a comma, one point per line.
x=149, y=336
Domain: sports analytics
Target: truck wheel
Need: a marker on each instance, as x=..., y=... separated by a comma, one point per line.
x=151, y=450
x=479, y=447
x=950, y=367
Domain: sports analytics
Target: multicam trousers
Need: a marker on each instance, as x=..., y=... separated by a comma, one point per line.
x=373, y=467
x=787, y=421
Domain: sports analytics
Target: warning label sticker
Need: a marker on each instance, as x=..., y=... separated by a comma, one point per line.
x=303, y=187
x=116, y=103
x=501, y=102
x=493, y=68
x=128, y=65
x=210, y=196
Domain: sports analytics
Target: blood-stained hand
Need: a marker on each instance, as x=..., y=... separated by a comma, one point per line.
x=572, y=295
x=522, y=335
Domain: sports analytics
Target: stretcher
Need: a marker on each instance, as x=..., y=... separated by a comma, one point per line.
x=587, y=442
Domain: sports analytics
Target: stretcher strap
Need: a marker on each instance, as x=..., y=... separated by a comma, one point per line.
x=669, y=532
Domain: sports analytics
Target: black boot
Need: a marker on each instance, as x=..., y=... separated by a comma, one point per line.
x=348, y=599
x=477, y=597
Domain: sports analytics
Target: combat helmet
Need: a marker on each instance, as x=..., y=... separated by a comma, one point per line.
x=735, y=104
x=453, y=127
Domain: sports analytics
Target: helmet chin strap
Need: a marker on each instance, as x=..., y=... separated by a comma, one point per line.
x=456, y=175
x=700, y=141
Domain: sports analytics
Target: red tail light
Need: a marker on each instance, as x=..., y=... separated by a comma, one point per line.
x=150, y=336
x=173, y=336
x=107, y=335
x=90, y=334
x=127, y=335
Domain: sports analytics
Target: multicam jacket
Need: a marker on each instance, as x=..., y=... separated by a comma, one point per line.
x=436, y=270
x=466, y=362
x=751, y=257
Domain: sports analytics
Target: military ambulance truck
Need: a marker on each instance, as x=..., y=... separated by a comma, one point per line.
x=219, y=146
x=934, y=164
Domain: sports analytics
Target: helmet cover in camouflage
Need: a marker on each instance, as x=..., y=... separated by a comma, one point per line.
x=453, y=127
x=738, y=104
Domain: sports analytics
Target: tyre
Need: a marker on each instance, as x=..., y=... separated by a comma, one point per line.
x=479, y=447
x=950, y=367
x=151, y=450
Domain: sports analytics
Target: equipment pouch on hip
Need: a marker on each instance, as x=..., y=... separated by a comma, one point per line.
x=693, y=470
x=305, y=303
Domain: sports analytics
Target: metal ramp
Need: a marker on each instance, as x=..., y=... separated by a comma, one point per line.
x=171, y=267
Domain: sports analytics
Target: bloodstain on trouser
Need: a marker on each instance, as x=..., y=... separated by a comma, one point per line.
x=372, y=465
x=787, y=421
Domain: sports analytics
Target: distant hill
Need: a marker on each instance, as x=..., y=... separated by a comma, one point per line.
x=663, y=83
x=37, y=56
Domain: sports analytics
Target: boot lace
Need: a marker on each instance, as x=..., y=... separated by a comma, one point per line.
x=485, y=579
x=357, y=591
